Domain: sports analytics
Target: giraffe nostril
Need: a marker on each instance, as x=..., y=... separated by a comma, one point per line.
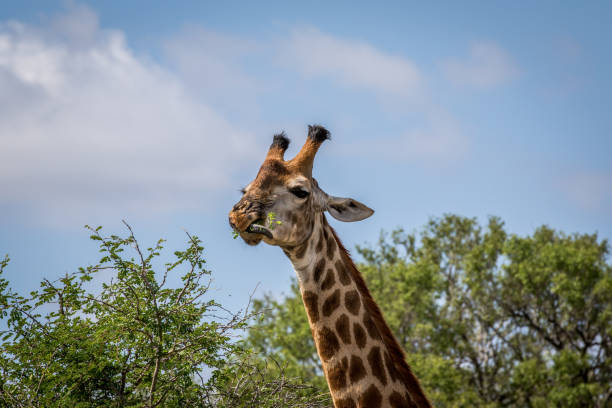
x=232, y=225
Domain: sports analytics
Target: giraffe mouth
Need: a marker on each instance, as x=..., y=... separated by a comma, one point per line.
x=256, y=228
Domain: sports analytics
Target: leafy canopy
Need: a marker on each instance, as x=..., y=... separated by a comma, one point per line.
x=116, y=334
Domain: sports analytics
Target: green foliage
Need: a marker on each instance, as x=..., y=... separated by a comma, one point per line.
x=127, y=339
x=272, y=221
x=253, y=382
x=488, y=319
x=282, y=334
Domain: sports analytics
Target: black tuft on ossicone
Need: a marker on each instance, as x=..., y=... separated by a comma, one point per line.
x=281, y=141
x=318, y=133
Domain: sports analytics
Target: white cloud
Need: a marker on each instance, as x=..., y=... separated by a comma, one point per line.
x=396, y=80
x=441, y=140
x=89, y=127
x=352, y=63
x=591, y=191
x=86, y=126
x=437, y=143
x=487, y=66
x=210, y=64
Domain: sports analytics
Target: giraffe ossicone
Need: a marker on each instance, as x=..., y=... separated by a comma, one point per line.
x=363, y=364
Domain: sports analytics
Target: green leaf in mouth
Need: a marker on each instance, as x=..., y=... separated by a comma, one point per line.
x=271, y=219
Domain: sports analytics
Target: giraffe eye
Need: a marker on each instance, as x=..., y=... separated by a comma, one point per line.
x=299, y=193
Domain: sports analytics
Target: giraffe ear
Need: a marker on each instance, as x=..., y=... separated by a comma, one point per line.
x=347, y=209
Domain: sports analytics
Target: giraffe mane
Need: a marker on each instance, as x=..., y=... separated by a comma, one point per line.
x=397, y=353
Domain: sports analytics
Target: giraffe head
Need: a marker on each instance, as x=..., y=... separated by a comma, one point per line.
x=287, y=190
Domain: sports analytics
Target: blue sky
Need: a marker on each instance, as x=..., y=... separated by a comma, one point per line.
x=159, y=114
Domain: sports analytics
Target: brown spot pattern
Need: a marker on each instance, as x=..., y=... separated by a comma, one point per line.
x=370, y=326
x=376, y=364
x=370, y=398
x=343, y=274
x=328, y=343
x=343, y=328
x=311, y=302
x=390, y=367
x=318, y=270
x=319, y=247
x=331, y=303
x=329, y=280
x=345, y=403
x=360, y=335
x=352, y=302
x=396, y=400
x=331, y=248
x=356, y=369
x=413, y=404
x=336, y=375
x=301, y=250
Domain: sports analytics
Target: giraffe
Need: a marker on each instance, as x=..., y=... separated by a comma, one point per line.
x=363, y=364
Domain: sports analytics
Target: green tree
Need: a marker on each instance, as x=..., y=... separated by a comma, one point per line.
x=487, y=319
x=133, y=342
x=282, y=334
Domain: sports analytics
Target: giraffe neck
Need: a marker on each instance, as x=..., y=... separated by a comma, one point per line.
x=363, y=364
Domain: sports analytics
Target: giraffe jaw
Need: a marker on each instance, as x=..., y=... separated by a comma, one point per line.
x=255, y=233
x=251, y=241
